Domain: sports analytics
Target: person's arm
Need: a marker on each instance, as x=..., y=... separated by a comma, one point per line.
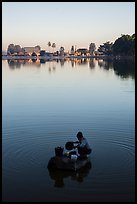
x=76, y=142
x=83, y=143
x=76, y=146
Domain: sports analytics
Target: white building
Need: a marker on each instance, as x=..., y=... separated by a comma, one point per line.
x=30, y=50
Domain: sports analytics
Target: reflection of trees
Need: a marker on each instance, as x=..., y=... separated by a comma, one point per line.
x=62, y=62
x=72, y=63
x=58, y=175
x=124, y=68
x=100, y=62
x=11, y=64
x=54, y=68
x=121, y=67
x=92, y=63
x=16, y=63
x=52, y=65
x=106, y=64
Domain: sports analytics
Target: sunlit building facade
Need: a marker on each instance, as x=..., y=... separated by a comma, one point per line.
x=30, y=50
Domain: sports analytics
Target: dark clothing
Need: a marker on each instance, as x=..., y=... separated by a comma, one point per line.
x=83, y=151
x=84, y=147
x=84, y=143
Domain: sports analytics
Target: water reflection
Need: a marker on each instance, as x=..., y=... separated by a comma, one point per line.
x=59, y=175
x=16, y=63
x=123, y=68
x=62, y=62
x=34, y=60
x=92, y=63
x=106, y=64
x=42, y=61
x=41, y=110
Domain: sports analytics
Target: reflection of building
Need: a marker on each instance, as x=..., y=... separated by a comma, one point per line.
x=30, y=50
x=92, y=63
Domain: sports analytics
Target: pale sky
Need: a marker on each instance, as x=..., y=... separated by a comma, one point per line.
x=65, y=23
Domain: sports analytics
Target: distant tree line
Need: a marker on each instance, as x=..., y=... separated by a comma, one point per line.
x=106, y=48
x=123, y=46
x=12, y=49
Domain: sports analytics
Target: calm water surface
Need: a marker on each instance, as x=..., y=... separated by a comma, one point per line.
x=45, y=104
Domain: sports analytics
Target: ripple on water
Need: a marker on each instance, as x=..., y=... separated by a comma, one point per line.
x=26, y=149
x=114, y=160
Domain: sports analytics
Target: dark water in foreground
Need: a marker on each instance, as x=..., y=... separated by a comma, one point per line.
x=44, y=104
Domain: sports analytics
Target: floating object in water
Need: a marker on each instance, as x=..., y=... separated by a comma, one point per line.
x=74, y=163
x=69, y=160
x=59, y=151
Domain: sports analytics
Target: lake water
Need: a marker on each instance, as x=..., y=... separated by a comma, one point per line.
x=44, y=105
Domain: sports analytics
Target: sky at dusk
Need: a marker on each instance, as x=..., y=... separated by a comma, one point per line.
x=65, y=23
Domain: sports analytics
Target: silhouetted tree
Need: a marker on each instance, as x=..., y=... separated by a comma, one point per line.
x=72, y=50
x=61, y=50
x=11, y=49
x=106, y=48
x=49, y=44
x=17, y=49
x=92, y=48
x=37, y=46
x=53, y=46
x=125, y=45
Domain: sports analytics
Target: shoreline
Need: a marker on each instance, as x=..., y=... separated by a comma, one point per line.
x=5, y=57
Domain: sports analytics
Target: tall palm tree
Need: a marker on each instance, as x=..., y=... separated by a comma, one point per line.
x=49, y=44
x=53, y=46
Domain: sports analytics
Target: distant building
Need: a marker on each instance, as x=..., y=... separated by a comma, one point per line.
x=42, y=53
x=82, y=51
x=30, y=50
x=49, y=54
